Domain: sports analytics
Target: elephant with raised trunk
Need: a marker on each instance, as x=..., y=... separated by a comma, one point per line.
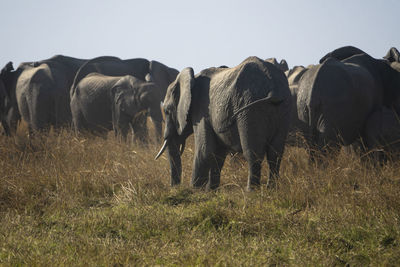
x=101, y=103
x=39, y=92
x=140, y=68
x=242, y=109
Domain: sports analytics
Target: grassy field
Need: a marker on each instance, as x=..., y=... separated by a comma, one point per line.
x=68, y=201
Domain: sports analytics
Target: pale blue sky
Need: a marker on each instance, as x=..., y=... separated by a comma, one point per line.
x=199, y=34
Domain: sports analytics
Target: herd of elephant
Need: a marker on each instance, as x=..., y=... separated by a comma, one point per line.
x=349, y=98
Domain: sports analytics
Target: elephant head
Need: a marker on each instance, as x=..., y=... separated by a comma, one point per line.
x=149, y=100
x=282, y=65
x=130, y=97
x=177, y=120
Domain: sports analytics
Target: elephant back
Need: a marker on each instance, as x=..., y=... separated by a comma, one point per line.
x=342, y=53
x=90, y=67
x=113, y=66
x=233, y=88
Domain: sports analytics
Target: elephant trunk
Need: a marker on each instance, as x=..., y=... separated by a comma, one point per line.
x=174, y=158
x=175, y=163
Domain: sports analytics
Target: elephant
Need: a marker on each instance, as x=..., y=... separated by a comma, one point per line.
x=282, y=65
x=140, y=68
x=383, y=134
x=336, y=98
x=241, y=109
x=294, y=136
x=10, y=115
x=101, y=103
x=38, y=92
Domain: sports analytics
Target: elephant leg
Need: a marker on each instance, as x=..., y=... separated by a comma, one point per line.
x=253, y=143
x=139, y=126
x=254, y=164
x=217, y=162
x=205, y=145
x=274, y=157
x=78, y=122
x=6, y=128
x=254, y=159
x=12, y=120
x=124, y=130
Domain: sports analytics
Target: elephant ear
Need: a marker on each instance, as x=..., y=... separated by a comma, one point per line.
x=185, y=81
x=392, y=55
x=7, y=68
x=284, y=65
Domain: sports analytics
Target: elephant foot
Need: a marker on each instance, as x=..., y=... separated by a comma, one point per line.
x=175, y=183
x=252, y=186
x=212, y=187
x=200, y=182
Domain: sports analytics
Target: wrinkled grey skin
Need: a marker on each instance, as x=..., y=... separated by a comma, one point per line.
x=242, y=109
x=39, y=92
x=282, y=65
x=140, y=68
x=295, y=137
x=101, y=103
x=383, y=134
x=336, y=98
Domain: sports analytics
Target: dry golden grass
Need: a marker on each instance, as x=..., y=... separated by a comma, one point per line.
x=66, y=200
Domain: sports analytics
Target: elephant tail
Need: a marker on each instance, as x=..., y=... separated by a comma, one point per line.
x=270, y=99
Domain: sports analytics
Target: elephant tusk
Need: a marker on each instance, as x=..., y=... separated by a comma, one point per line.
x=164, y=146
x=182, y=148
